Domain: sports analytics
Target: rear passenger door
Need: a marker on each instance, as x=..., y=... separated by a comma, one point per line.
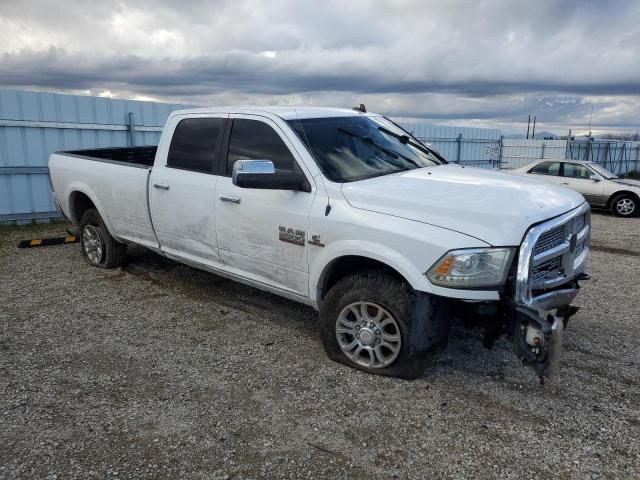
x=182, y=189
x=262, y=234
x=578, y=178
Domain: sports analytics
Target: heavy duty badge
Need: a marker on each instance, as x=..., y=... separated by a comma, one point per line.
x=291, y=235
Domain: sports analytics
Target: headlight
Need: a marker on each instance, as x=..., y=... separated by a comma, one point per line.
x=472, y=268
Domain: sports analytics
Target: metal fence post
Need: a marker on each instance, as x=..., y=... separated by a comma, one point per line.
x=131, y=130
x=567, y=149
x=459, y=140
x=542, y=152
x=500, y=145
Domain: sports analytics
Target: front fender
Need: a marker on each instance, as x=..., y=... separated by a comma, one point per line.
x=361, y=248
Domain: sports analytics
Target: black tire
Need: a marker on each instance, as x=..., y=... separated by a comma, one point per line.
x=113, y=253
x=422, y=320
x=625, y=205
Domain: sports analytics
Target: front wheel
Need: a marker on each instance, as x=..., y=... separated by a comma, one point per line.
x=373, y=322
x=624, y=205
x=99, y=248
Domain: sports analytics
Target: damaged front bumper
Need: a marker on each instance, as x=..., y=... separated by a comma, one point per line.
x=541, y=307
x=537, y=328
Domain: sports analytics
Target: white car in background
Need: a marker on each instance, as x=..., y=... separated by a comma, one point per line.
x=600, y=187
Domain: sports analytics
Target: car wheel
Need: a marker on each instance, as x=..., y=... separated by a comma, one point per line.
x=624, y=205
x=99, y=248
x=368, y=322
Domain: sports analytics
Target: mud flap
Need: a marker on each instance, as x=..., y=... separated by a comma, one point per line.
x=537, y=340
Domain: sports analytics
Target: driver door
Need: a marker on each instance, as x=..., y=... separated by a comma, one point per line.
x=578, y=178
x=262, y=234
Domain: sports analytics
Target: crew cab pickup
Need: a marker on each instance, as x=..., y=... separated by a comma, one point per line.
x=347, y=212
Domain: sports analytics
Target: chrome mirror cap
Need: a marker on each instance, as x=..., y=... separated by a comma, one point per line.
x=241, y=167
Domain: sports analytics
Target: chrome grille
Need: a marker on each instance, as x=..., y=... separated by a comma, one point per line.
x=557, y=250
x=579, y=222
x=553, y=253
x=547, y=270
x=550, y=239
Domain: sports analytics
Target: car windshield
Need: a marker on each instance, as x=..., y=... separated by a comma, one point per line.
x=602, y=171
x=354, y=148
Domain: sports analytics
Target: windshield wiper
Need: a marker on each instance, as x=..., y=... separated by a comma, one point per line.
x=386, y=150
x=404, y=139
x=416, y=143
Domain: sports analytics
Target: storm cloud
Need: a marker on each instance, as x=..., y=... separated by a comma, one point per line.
x=489, y=63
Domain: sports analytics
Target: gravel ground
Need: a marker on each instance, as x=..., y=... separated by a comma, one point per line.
x=161, y=370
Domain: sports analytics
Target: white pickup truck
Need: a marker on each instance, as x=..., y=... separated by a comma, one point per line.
x=347, y=212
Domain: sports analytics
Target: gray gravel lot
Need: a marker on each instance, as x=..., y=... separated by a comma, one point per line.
x=161, y=370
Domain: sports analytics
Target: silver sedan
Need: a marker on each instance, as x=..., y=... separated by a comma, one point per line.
x=600, y=187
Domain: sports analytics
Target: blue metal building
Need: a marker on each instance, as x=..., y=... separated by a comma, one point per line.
x=35, y=124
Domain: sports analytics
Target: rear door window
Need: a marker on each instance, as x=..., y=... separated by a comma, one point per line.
x=546, y=168
x=196, y=145
x=255, y=140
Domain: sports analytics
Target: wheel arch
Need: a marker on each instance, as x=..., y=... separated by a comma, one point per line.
x=79, y=203
x=341, y=265
x=615, y=195
x=80, y=200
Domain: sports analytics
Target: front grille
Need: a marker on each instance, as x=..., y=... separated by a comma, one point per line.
x=548, y=270
x=552, y=254
x=553, y=271
x=550, y=239
x=579, y=222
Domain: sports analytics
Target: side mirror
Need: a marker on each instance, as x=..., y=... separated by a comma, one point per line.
x=596, y=178
x=262, y=174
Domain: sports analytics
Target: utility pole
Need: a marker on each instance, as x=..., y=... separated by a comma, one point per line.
x=528, y=125
x=533, y=133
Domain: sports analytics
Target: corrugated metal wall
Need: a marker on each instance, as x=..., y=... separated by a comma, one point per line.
x=35, y=124
x=477, y=146
x=519, y=152
x=618, y=156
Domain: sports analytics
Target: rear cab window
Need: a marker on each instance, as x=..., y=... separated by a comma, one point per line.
x=196, y=145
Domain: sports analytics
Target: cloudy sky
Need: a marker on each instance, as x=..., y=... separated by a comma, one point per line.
x=477, y=62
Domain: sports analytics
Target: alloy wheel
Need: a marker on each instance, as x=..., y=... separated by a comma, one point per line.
x=92, y=243
x=368, y=335
x=625, y=206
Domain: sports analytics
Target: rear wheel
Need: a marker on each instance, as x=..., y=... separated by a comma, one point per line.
x=373, y=322
x=624, y=205
x=99, y=248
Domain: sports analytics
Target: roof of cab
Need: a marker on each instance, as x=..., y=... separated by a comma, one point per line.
x=284, y=112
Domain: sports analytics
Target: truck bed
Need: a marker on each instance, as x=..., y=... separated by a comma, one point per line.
x=115, y=180
x=141, y=156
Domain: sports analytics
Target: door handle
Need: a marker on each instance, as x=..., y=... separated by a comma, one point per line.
x=230, y=198
x=161, y=186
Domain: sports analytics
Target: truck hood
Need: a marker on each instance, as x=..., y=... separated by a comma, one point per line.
x=492, y=206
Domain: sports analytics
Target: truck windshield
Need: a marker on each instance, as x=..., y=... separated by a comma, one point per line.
x=354, y=148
